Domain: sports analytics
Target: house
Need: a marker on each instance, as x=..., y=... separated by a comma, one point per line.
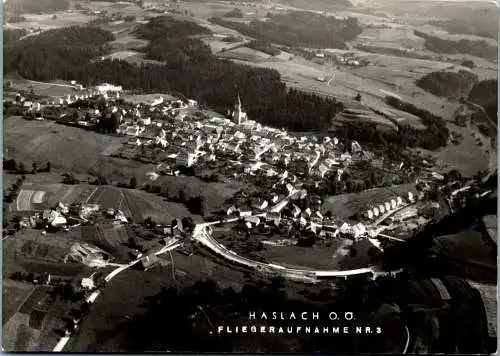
x=88, y=283
x=259, y=204
x=149, y=262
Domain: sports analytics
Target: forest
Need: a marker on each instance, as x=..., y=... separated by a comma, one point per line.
x=478, y=48
x=190, y=70
x=299, y=29
x=448, y=84
x=59, y=53
x=485, y=93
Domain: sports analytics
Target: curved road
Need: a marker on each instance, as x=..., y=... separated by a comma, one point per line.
x=202, y=234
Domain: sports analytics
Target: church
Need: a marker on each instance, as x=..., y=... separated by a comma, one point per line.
x=238, y=116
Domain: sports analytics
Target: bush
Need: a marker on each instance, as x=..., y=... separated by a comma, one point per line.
x=133, y=183
x=468, y=63
x=234, y=13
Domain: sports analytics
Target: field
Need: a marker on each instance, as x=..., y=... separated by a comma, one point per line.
x=138, y=204
x=124, y=295
x=47, y=21
x=331, y=255
x=33, y=324
x=245, y=54
x=122, y=55
x=50, y=195
x=69, y=149
x=214, y=194
x=14, y=293
x=54, y=89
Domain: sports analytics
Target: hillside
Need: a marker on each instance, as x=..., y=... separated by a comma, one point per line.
x=478, y=48
x=299, y=29
x=485, y=93
x=448, y=84
x=35, y=6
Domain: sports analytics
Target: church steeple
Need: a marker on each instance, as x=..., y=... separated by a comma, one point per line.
x=238, y=115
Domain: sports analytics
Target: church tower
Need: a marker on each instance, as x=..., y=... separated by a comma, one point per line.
x=238, y=115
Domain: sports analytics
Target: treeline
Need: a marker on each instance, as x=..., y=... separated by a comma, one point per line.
x=485, y=93
x=478, y=23
x=15, y=18
x=264, y=47
x=61, y=53
x=448, y=84
x=479, y=48
x=299, y=29
x=390, y=143
x=36, y=6
x=11, y=36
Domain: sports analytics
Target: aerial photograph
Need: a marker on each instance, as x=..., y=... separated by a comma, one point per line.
x=250, y=176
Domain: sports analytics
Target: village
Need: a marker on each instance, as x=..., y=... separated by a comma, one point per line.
x=287, y=176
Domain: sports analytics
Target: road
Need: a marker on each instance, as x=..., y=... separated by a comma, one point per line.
x=202, y=233
x=91, y=299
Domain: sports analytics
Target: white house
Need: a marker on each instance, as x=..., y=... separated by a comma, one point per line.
x=105, y=87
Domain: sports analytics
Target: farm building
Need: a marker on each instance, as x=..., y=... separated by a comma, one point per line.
x=149, y=262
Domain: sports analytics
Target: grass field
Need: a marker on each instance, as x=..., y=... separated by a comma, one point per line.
x=325, y=255
x=42, y=89
x=47, y=22
x=214, y=194
x=18, y=336
x=245, y=54
x=14, y=293
x=144, y=98
x=69, y=149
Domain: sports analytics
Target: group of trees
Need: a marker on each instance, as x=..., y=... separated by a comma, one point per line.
x=476, y=23
x=300, y=28
x=195, y=204
x=448, y=84
x=263, y=46
x=479, y=48
x=12, y=166
x=434, y=136
x=13, y=191
x=236, y=13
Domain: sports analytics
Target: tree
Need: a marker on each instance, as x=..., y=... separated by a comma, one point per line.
x=149, y=222
x=10, y=165
x=188, y=224
x=133, y=182
x=357, y=97
x=22, y=168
